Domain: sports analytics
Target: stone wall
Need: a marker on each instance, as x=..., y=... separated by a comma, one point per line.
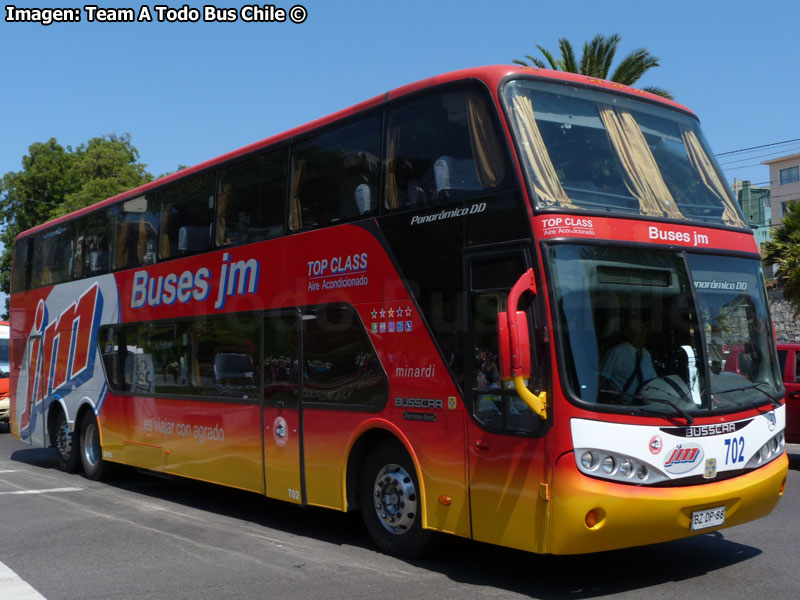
x=787, y=325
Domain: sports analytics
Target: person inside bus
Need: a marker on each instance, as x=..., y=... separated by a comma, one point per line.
x=628, y=365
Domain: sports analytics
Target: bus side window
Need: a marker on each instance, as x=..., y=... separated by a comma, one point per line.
x=23, y=261
x=442, y=147
x=186, y=217
x=336, y=175
x=121, y=353
x=53, y=256
x=340, y=367
x=93, y=255
x=226, y=353
x=166, y=350
x=251, y=199
x=136, y=232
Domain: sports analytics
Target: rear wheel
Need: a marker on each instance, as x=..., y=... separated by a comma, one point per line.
x=94, y=467
x=390, y=502
x=66, y=443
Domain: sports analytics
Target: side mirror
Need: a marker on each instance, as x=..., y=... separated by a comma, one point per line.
x=514, y=345
x=523, y=350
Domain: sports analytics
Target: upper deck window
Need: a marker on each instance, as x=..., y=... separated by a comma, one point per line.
x=335, y=175
x=440, y=147
x=600, y=152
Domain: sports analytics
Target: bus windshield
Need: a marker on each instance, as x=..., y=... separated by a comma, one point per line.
x=600, y=152
x=630, y=326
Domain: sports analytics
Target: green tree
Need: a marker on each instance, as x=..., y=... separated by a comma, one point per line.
x=596, y=60
x=104, y=167
x=784, y=252
x=55, y=181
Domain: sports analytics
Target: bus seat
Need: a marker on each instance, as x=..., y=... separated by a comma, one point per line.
x=193, y=239
x=98, y=262
x=453, y=174
x=416, y=195
x=366, y=198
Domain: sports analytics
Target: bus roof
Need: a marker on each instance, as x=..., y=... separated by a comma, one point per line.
x=490, y=75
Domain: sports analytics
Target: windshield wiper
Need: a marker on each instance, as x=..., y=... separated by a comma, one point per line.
x=775, y=403
x=678, y=409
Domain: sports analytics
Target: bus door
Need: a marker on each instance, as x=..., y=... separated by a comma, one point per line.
x=282, y=413
x=506, y=448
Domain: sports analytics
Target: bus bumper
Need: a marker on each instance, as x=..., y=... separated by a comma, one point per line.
x=634, y=516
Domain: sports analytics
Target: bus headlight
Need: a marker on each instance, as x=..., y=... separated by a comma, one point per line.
x=769, y=451
x=617, y=467
x=587, y=461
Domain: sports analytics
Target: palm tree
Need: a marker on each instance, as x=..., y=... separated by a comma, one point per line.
x=596, y=62
x=784, y=251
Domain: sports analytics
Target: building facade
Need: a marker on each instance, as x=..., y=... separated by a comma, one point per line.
x=784, y=177
x=755, y=203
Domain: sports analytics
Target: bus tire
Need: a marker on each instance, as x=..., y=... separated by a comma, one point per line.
x=390, y=502
x=66, y=443
x=94, y=467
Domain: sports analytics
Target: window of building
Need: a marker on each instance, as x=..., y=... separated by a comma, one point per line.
x=336, y=175
x=789, y=175
x=252, y=197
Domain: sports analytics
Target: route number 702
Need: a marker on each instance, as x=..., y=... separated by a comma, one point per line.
x=734, y=450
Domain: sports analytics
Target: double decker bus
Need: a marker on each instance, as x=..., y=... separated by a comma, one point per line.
x=496, y=303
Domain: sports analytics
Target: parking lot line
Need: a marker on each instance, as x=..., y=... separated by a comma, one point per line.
x=47, y=491
x=12, y=586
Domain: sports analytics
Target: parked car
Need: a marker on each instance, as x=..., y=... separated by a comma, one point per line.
x=736, y=359
x=789, y=358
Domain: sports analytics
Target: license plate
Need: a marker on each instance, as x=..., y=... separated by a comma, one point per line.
x=704, y=519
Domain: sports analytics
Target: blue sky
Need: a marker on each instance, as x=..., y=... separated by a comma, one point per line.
x=187, y=92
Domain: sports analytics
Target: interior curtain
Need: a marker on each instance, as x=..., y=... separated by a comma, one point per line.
x=486, y=150
x=165, y=208
x=296, y=216
x=545, y=180
x=391, y=183
x=642, y=176
x=222, y=215
x=708, y=174
x=120, y=245
x=141, y=244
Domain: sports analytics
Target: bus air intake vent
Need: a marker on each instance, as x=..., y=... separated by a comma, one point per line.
x=628, y=276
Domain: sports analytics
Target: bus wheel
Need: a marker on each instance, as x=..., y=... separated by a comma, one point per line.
x=94, y=467
x=390, y=502
x=66, y=444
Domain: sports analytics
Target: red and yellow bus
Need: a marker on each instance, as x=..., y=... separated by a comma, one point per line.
x=494, y=303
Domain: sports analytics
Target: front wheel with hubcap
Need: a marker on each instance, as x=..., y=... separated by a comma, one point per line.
x=390, y=502
x=94, y=467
